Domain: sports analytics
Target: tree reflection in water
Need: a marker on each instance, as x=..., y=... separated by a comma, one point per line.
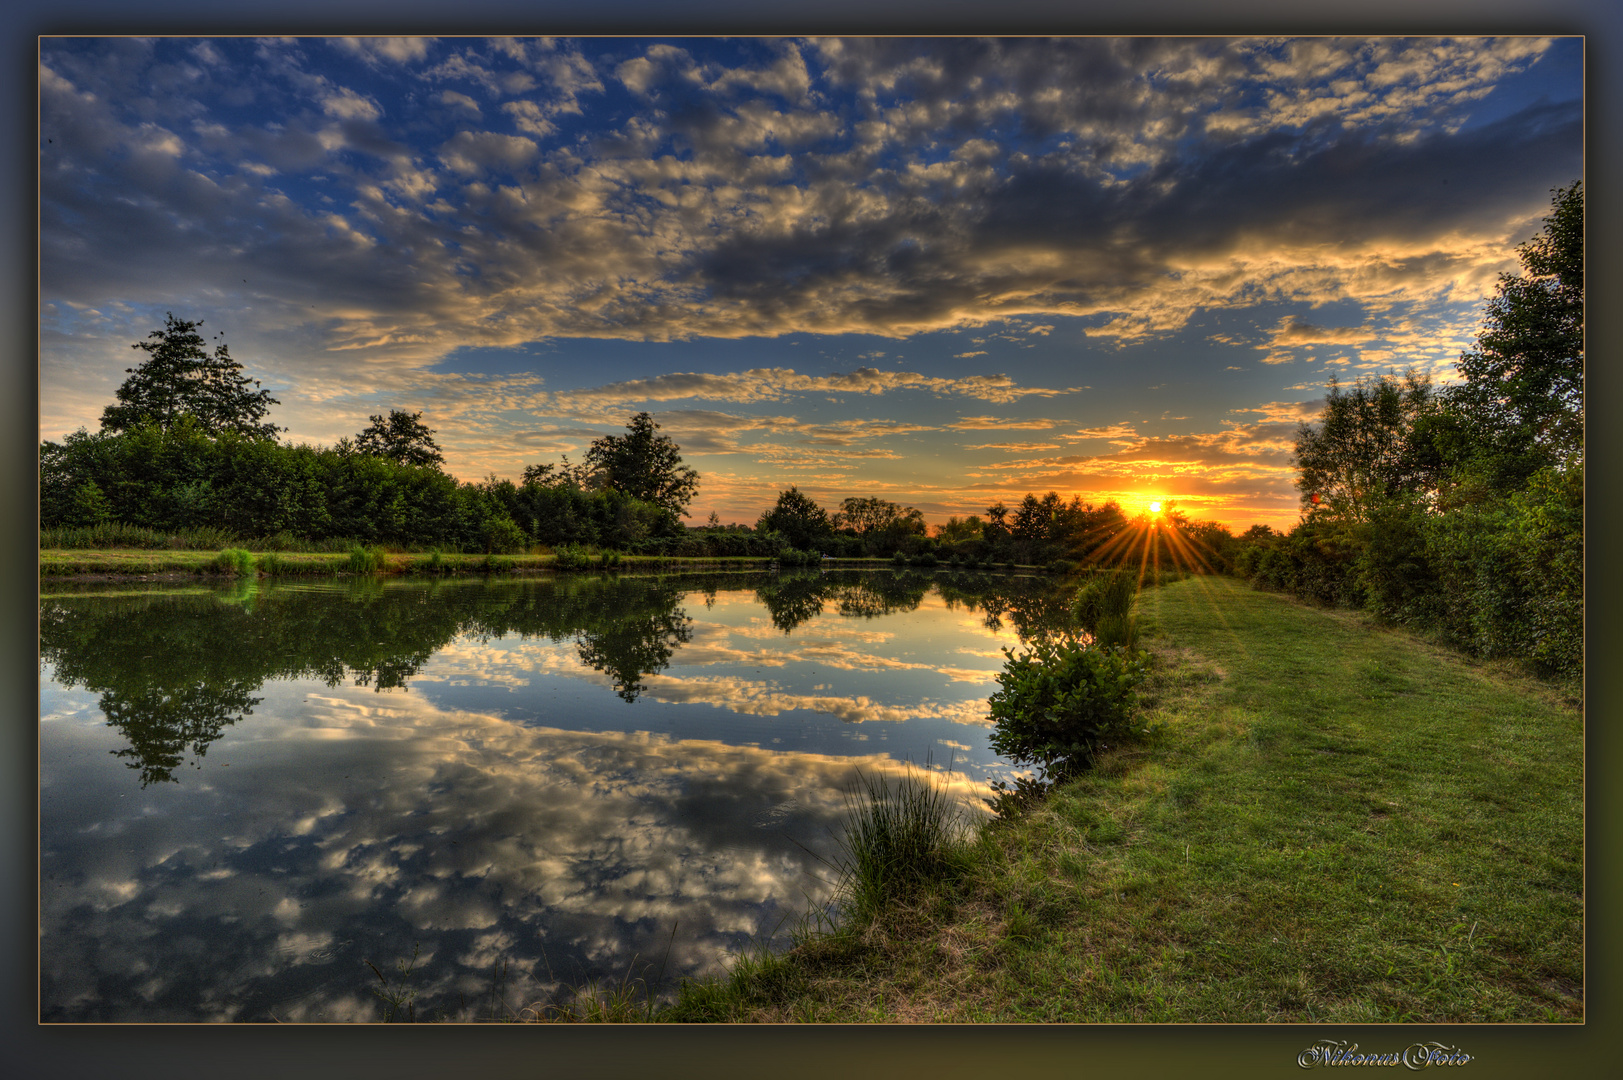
x=173, y=670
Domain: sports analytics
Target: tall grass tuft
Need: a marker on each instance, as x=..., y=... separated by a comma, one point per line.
x=235, y=561
x=1104, y=608
x=897, y=838
x=367, y=560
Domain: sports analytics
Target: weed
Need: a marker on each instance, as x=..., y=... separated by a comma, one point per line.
x=399, y=1000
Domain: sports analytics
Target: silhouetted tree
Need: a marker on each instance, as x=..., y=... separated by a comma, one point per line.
x=180, y=377
x=644, y=465
x=402, y=438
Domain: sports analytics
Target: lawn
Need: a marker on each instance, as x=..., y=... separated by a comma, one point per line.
x=1334, y=822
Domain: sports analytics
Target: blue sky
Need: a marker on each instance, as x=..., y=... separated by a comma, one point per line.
x=943, y=271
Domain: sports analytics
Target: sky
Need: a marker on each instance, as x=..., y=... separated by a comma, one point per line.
x=940, y=271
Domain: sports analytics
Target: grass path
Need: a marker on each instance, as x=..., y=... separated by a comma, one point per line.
x=1334, y=823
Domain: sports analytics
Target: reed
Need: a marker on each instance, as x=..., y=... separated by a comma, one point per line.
x=897, y=838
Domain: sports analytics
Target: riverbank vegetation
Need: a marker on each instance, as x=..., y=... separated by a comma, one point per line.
x=1458, y=510
x=1332, y=822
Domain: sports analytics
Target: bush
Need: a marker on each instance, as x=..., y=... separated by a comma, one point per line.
x=1057, y=703
x=1104, y=607
x=791, y=557
x=235, y=561
x=366, y=560
x=608, y=560
x=572, y=557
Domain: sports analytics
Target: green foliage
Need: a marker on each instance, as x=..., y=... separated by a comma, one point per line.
x=644, y=465
x=1057, y=703
x=1522, y=396
x=366, y=560
x=117, y=535
x=402, y=438
x=179, y=378
x=792, y=557
x=1106, y=598
x=1459, y=511
x=1363, y=449
x=798, y=519
x=503, y=536
x=235, y=561
x=897, y=838
x=571, y=557
x=608, y=559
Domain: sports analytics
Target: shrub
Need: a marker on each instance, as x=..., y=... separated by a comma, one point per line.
x=572, y=557
x=366, y=560
x=235, y=561
x=502, y=536
x=608, y=559
x=1057, y=703
x=1109, y=596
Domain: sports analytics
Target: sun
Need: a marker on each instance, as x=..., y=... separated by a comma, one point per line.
x=1155, y=507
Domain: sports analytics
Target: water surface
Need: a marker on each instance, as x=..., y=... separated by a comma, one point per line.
x=254, y=799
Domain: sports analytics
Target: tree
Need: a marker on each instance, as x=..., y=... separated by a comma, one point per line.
x=958, y=529
x=801, y=521
x=179, y=377
x=1523, y=389
x=402, y=438
x=1364, y=448
x=557, y=474
x=644, y=465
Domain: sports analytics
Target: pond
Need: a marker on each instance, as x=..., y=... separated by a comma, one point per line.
x=258, y=802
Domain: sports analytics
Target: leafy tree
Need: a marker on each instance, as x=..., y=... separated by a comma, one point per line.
x=644, y=465
x=1523, y=390
x=880, y=520
x=554, y=474
x=798, y=518
x=958, y=529
x=180, y=377
x=402, y=438
x=1363, y=449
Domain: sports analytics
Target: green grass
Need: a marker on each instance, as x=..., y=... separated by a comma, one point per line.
x=1334, y=823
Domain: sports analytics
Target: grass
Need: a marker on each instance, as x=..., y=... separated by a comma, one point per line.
x=1335, y=823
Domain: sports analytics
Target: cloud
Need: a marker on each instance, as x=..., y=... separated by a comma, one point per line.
x=1293, y=331
x=398, y=50
x=777, y=384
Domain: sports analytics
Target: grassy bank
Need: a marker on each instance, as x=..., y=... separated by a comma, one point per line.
x=1334, y=823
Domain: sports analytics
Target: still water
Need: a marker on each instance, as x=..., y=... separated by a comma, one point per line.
x=255, y=799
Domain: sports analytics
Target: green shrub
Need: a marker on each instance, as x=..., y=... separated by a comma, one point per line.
x=572, y=557
x=503, y=536
x=1108, y=596
x=1057, y=703
x=271, y=564
x=608, y=560
x=900, y=558
x=235, y=561
x=367, y=560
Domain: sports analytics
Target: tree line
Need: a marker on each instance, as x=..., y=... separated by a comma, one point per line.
x=1458, y=509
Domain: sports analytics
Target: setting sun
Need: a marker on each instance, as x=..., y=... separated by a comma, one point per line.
x=1155, y=507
